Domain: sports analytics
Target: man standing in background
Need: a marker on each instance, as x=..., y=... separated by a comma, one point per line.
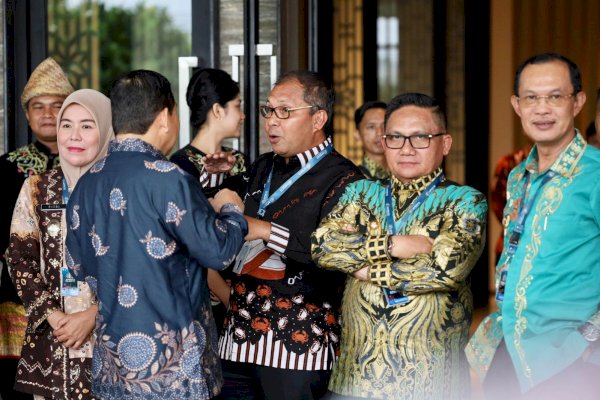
x=369, y=130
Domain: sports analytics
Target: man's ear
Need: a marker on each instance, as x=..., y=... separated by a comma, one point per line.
x=515, y=104
x=319, y=120
x=357, y=135
x=162, y=120
x=580, y=99
x=447, y=143
x=27, y=110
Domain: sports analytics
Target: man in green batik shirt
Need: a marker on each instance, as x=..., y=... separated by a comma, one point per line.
x=368, y=119
x=407, y=305
x=542, y=341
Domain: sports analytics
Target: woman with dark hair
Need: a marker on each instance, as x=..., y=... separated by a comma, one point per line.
x=215, y=115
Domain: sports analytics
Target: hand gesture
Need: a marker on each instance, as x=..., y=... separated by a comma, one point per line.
x=225, y=196
x=75, y=328
x=410, y=245
x=362, y=274
x=218, y=162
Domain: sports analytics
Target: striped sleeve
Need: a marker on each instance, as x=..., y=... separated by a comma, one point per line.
x=278, y=239
x=208, y=180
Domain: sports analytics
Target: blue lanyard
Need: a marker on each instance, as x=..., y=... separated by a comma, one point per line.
x=395, y=226
x=515, y=237
x=65, y=193
x=267, y=200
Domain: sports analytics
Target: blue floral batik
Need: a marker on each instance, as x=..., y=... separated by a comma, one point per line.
x=141, y=234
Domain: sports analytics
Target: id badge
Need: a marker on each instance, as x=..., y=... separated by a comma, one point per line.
x=501, y=285
x=241, y=257
x=394, y=297
x=68, y=285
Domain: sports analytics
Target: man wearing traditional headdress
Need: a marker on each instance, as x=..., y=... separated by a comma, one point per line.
x=42, y=98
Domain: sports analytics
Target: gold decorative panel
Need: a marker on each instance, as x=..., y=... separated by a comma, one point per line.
x=73, y=41
x=347, y=74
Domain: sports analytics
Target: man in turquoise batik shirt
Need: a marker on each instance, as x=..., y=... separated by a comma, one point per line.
x=542, y=343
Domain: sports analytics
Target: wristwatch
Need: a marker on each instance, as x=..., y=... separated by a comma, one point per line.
x=590, y=332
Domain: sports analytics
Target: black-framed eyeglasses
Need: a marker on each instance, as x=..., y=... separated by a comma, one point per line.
x=553, y=100
x=281, y=112
x=418, y=141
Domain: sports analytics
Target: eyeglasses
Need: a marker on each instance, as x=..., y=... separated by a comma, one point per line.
x=281, y=112
x=419, y=141
x=553, y=100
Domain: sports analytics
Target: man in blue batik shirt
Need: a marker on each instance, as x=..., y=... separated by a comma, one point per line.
x=142, y=235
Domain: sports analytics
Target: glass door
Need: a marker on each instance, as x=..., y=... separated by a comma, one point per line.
x=249, y=49
x=96, y=40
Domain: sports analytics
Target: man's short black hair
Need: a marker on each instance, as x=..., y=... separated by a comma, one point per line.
x=136, y=99
x=544, y=58
x=362, y=110
x=316, y=91
x=418, y=100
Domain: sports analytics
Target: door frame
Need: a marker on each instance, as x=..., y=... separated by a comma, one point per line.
x=25, y=46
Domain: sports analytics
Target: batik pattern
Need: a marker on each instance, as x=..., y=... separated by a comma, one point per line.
x=30, y=160
x=15, y=167
x=552, y=268
x=144, y=255
x=35, y=254
x=413, y=350
x=195, y=156
x=373, y=170
x=291, y=321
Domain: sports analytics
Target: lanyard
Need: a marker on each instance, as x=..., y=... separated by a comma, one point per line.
x=396, y=297
x=65, y=193
x=68, y=284
x=267, y=200
x=515, y=237
x=395, y=226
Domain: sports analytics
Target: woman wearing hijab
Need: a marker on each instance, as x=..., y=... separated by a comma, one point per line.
x=216, y=115
x=56, y=356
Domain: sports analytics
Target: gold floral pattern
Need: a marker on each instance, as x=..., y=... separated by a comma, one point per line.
x=414, y=350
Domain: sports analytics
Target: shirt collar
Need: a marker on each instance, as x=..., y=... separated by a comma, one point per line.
x=306, y=156
x=567, y=160
x=132, y=144
x=416, y=184
x=43, y=148
x=376, y=170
